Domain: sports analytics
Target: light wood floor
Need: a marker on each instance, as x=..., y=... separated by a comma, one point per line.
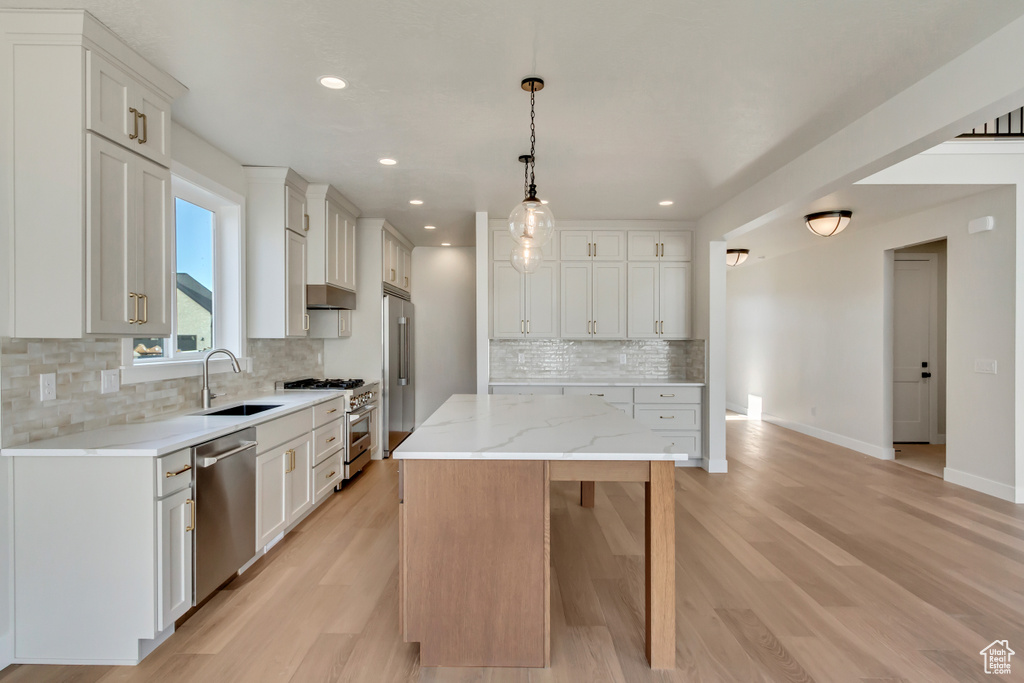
x=805, y=562
x=923, y=457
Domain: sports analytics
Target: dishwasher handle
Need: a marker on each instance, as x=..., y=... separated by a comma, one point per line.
x=206, y=462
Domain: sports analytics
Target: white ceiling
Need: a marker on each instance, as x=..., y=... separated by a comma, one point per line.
x=871, y=205
x=686, y=100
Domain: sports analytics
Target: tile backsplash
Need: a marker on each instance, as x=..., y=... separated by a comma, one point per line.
x=80, y=406
x=568, y=359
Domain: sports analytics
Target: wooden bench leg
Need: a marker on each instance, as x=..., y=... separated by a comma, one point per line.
x=587, y=494
x=660, y=565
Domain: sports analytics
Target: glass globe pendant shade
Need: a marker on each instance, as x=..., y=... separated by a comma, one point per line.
x=526, y=257
x=531, y=220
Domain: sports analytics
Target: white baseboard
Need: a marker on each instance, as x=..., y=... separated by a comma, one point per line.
x=6, y=650
x=688, y=463
x=715, y=466
x=983, y=485
x=880, y=452
x=736, y=407
x=939, y=439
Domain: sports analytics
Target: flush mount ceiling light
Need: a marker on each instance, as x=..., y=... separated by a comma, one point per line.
x=387, y=162
x=416, y=202
x=666, y=202
x=531, y=223
x=827, y=223
x=429, y=227
x=734, y=257
x=446, y=244
x=332, y=82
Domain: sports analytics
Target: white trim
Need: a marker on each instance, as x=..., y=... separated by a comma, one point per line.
x=983, y=485
x=880, y=452
x=174, y=369
x=940, y=439
x=932, y=259
x=7, y=647
x=736, y=407
x=688, y=463
x=719, y=466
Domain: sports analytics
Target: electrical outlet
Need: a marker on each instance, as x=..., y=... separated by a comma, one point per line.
x=622, y=359
x=522, y=358
x=110, y=381
x=48, y=386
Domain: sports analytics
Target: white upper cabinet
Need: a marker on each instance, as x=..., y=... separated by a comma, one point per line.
x=508, y=313
x=663, y=245
x=609, y=301
x=659, y=300
x=331, y=238
x=524, y=305
x=123, y=110
x=592, y=245
x=674, y=299
x=276, y=255
x=89, y=217
x=577, y=299
x=502, y=245
x=397, y=261
x=389, y=252
x=644, y=316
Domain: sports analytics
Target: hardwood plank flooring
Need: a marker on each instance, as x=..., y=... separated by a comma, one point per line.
x=807, y=562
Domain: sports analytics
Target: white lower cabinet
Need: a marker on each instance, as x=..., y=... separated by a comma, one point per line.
x=284, y=488
x=326, y=476
x=177, y=519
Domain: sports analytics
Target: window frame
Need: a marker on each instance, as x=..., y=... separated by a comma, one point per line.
x=228, y=285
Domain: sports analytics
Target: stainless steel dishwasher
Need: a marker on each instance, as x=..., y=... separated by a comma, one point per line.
x=225, y=534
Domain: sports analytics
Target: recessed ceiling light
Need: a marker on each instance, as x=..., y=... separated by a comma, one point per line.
x=543, y=201
x=387, y=162
x=429, y=227
x=666, y=202
x=417, y=202
x=332, y=82
x=446, y=244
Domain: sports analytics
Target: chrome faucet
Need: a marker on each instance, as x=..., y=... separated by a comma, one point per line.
x=208, y=396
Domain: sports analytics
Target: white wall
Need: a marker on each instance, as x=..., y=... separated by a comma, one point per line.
x=810, y=332
x=444, y=294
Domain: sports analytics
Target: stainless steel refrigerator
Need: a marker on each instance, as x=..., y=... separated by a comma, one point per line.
x=398, y=385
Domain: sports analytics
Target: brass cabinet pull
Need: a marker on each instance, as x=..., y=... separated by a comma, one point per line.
x=392, y=274
x=597, y=394
x=527, y=327
x=183, y=470
x=135, y=117
x=667, y=417
x=589, y=327
x=145, y=129
x=655, y=327
x=668, y=395
x=331, y=474
x=290, y=466
x=595, y=249
x=595, y=327
x=331, y=439
x=305, y=222
x=145, y=308
x=662, y=327
x=305, y=321
x=588, y=248
x=135, y=318
x=522, y=327
x=332, y=410
x=406, y=282
x=192, y=507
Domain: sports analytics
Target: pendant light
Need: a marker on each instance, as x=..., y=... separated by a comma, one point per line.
x=828, y=223
x=734, y=257
x=531, y=223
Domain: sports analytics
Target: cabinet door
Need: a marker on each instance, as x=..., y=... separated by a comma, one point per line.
x=271, y=499
x=542, y=302
x=644, y=245
x=295, y=210
x=176, y=515
x=350, y=254
x=575, y=312
x=507, y=305
x=642, y=294
x=154, y=140
x=674, y=298
x=154, y=247
x=609, y=301
x=675, y=246
x=406, y=269
x=334, y=245
x=110, y=239
x=609, y=245
x=390, y=268
x=502, y=245
x=575, y=245
x=295, y=282
x=299, y=481
x=109, y=99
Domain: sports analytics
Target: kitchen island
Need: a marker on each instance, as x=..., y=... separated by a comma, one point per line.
x=474, y=515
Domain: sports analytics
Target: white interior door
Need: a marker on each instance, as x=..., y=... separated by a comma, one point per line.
x=913, y=339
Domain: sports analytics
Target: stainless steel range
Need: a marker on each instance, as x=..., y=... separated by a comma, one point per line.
x=361, y=430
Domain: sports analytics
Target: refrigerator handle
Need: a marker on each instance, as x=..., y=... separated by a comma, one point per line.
x=403, y=351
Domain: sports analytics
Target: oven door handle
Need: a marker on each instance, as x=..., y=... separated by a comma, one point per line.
x=358, y=413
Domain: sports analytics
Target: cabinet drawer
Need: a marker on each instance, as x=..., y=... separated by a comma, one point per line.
x=683, y=441
x=610, y=394
x=666, y=395
x=327, y=411
x=173, y=472
x=326, y=440
x=527, y=390
x=276, y=432
x=326, y=475
x=668, y=417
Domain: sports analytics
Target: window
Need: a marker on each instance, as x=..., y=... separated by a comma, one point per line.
x=207, y=297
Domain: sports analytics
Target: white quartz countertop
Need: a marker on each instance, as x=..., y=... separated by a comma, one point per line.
x=606, y=382
x=512, y=427
x=160, y=437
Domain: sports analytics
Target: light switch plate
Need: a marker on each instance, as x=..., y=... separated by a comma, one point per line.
x=622, y=359
x=48, y=386
x=110, y=381
x=522, y=358
x=985, y=367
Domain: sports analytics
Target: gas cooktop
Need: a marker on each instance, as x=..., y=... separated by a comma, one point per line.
x=310, y=383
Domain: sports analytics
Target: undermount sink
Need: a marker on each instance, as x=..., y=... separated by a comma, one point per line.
x=241, y=409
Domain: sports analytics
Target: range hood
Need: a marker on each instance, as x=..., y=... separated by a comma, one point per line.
x=329, y=297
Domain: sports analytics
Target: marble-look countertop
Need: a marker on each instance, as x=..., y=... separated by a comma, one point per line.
x=160, y=437
x=513, y=427
x=605, y=382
